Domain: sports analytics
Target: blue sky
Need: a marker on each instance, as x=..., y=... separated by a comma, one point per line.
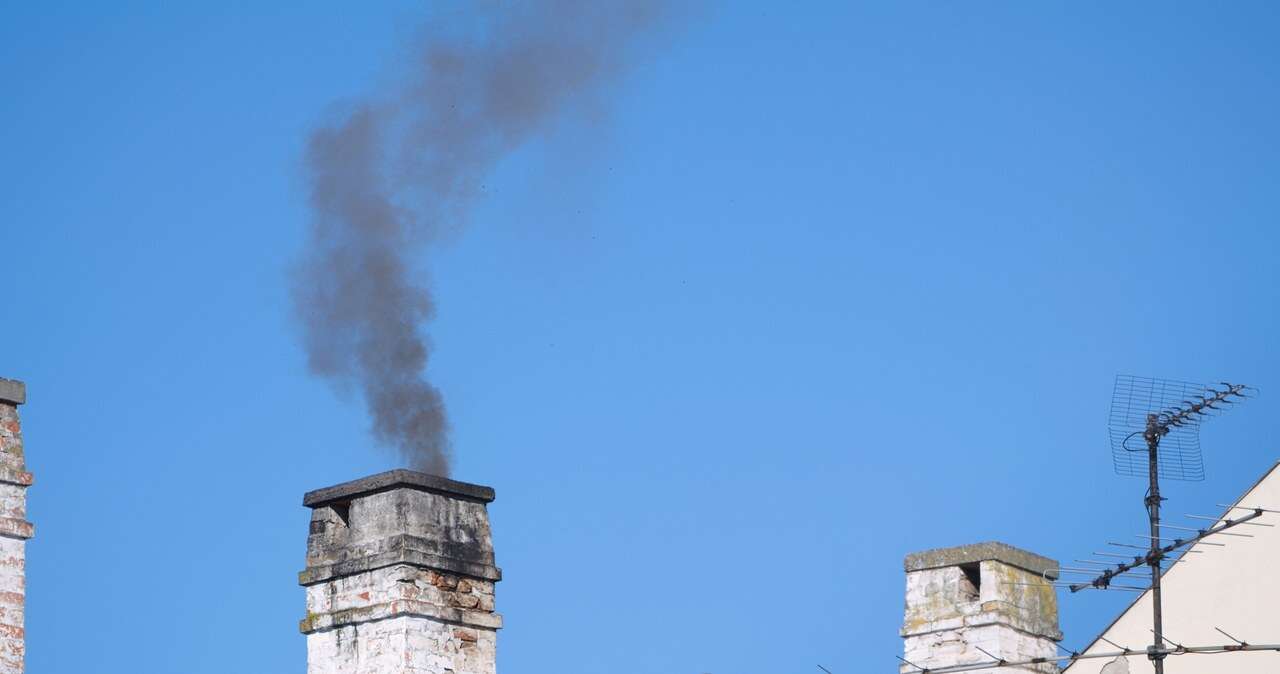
x=818, y=286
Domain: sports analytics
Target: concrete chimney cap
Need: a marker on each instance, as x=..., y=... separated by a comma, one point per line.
x=397, y=479
x=12, y=391
x=981, y=552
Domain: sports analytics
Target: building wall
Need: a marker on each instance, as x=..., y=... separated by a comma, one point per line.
x=1235, y=588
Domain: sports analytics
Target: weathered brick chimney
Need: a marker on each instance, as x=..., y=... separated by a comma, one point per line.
x=14, y=529
x=988, y=596
x=400, y=577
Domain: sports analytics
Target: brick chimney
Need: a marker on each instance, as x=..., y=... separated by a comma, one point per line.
x=400, y=577
x=988, y=596
x=14, y=529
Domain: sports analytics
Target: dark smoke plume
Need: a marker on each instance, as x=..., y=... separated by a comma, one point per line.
x=394, y=172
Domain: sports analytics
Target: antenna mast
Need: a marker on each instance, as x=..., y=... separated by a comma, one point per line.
x=1170, y=412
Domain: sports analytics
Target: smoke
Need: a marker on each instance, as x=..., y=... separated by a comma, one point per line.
x=394, y=172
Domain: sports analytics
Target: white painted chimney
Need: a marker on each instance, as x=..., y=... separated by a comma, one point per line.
x=400, y=577
x=988, y=596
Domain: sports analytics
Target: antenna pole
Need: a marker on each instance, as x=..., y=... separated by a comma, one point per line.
x=1152, y=435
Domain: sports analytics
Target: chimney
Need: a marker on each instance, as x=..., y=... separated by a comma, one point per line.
x=14, y=529
x=988, y=596
x=400, y=577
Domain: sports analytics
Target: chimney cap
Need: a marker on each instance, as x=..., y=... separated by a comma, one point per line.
x=981, y=552
x=12, y=391
x=397, y=479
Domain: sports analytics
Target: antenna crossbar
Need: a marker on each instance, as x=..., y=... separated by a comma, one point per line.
x=1161, y=651
x=1154, y=556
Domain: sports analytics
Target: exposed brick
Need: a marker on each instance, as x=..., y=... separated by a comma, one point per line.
x=14, y=532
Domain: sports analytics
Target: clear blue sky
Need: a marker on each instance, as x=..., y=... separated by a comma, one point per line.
x=828, y=284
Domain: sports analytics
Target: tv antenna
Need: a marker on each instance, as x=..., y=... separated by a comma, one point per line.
x=1166, y=415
